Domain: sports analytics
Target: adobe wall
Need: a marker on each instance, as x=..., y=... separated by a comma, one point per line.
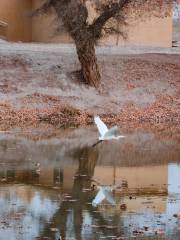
x=15, y=13
x=155, y=32
x=3, y=30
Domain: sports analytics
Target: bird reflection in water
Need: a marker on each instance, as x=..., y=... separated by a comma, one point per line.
x=82, y=201
x=104, y=193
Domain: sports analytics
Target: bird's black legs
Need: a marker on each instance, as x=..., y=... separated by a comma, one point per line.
x=96, y=143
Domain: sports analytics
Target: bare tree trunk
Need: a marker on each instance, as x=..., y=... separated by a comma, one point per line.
x=88, y=60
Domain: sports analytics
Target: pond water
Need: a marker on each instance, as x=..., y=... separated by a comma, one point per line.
x=60, y=187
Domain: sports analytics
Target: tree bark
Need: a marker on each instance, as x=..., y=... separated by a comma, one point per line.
x=87, y=57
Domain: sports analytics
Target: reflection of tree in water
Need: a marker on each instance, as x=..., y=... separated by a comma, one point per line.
x=82, y=181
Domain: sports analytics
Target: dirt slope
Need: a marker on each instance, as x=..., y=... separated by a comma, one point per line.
x=41, y=83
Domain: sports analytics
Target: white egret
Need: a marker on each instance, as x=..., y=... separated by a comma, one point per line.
x=105, y=133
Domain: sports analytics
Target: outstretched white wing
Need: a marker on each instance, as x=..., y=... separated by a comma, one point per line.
x=102, y=128
x=112, y=132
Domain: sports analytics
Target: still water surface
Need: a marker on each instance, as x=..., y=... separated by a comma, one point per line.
x=63, y=188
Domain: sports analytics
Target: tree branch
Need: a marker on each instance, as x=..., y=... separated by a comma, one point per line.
x=109, y=12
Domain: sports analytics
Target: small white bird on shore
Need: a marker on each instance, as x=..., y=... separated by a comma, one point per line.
x=105, y=133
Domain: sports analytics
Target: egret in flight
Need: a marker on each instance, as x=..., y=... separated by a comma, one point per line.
x=105, y=133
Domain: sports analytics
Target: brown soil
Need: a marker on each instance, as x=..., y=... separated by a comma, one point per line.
x=136, y=90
